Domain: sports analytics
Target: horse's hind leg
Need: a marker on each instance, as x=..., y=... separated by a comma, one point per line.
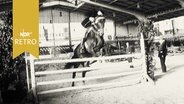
x=74, y=73
x=83, y=76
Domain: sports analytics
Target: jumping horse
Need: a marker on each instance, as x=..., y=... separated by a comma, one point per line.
x=93, y=45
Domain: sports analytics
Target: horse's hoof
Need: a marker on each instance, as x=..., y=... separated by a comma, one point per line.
x=131, y=66
x=73, y=85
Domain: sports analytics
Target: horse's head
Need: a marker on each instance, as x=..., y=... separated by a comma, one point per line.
x=99, y=23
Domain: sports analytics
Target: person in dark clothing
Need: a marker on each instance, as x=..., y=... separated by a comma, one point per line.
x=162, y=53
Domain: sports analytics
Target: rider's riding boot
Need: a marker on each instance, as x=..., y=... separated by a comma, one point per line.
x=83, y=48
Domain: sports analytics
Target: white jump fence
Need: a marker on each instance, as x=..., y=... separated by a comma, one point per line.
x=34, y=62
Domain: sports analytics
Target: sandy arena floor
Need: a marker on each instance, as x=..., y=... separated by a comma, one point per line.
x=169, y=89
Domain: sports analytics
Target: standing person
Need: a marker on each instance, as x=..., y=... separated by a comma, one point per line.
x=129, y=51
x=162, y=53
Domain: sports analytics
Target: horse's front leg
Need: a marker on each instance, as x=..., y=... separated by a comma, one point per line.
x=84, y=64
x=73, y=76
x=101, y=52
x=93, y=53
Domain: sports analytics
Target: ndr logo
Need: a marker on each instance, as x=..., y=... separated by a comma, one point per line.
x=25, y=41
x=25, y=34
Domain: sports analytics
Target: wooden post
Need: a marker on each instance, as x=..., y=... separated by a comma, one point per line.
x=173, y=28
x=144, y=66
x=115, y=28
x=27, y=72
x=143, y=56
x=53, y=48
x=50, y=51
x=119, y=47
x=33, y=81
x=69, y=29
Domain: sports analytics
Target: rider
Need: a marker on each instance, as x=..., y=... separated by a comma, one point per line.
x=92, y=23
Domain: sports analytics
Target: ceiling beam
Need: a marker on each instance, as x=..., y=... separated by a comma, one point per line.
x=181, y=2
x=113, y=1
x=54, y=3
x=78, y=6
x=140, y=2
x=157, y=14
x=138, y=15
x=156, y=8
x=165, y=12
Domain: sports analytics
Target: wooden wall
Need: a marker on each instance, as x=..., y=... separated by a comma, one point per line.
x=126, y=30
x=60, y=24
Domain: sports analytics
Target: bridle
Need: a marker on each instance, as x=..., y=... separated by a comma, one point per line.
x=96, y=26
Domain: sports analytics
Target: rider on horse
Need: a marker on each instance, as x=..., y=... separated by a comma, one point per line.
x=90, y=22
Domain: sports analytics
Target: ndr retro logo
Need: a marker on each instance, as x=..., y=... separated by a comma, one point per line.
x=25, y=39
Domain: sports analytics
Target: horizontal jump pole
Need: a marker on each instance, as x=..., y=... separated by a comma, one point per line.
x=86, y=59
x=88, y=78
x=66, y=71
x=113, y=84
x=47, y=57
x=51, y=56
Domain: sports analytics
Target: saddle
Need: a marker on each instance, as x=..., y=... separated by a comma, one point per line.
x=83, y=43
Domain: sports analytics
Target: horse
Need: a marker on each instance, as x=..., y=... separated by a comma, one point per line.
x=93, y=45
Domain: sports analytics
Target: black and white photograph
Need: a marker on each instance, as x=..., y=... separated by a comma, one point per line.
x=97, y=52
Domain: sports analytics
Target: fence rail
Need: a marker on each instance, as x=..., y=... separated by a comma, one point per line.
x=66, y=71
x=112, y=84
x=88, y=78
x=86, y=59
